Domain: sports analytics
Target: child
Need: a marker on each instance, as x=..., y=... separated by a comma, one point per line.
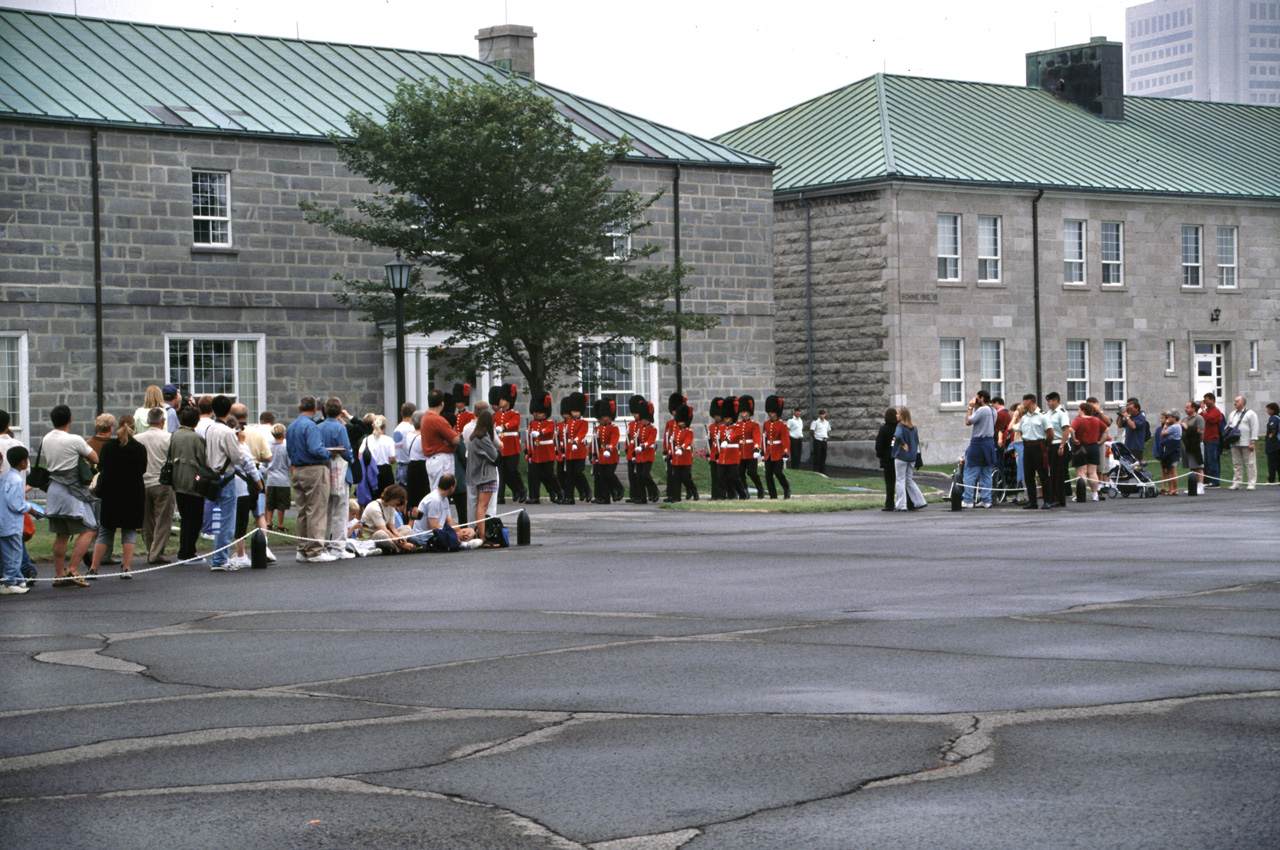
x=1168, y=447
x=279, y=489
x=13, y=504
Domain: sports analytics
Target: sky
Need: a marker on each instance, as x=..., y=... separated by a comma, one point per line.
x=702, y=66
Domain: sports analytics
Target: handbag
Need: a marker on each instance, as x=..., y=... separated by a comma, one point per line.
x=28, y=527
x=1230, y=434
x=166, y=470
x=496, y=532
x=37, y=475
x=207, y=482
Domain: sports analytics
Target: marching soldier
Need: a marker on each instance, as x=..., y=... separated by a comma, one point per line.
x=635, y=406
x=713, y=449
x=777, y=447
x=604, y=454
x=730, y=457
x=674, y=402
x=540, y=449
x=646, y=441
x=561, y=446
x=751, y=442
x=576, y=435
x=506, y=422
x=461, y=403
x=682, y=457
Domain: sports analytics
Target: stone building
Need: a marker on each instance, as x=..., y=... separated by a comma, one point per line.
x=932, y=237
x=150, y=231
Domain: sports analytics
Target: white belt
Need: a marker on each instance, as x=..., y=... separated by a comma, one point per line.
x=544, y=442
x=775, y=442
x=728, y=445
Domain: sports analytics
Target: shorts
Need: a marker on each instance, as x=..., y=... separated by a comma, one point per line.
x=279, y=499
x=68, y=525
x=1092, y=453
x=107, y=537
x=491, y=487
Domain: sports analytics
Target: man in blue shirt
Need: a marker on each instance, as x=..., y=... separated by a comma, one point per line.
x=1134, y=422
x=309, y=473
x=980, y=457
x=333, y=431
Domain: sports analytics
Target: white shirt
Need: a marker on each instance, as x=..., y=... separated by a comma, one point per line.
x=203, y=425
x=821, y=428
x=380, y=448
x=434, y=506
x=59, y=450
x=8, y=441
x=1247, y=421
x=795, y=425
x=400, y=438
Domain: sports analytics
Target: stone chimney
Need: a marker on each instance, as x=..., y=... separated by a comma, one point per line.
x=510, y=47
x=1089, y=75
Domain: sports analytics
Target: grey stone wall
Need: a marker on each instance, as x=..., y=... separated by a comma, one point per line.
x=277, y=279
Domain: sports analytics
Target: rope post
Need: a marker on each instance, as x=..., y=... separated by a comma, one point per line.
x=258, y=549
x=523, y=529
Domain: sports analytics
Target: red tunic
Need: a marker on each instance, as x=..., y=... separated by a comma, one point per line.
x=509, y=422
x=632, y=427
x=730, y=442
x=461, y=421
x=575, y=439
x=559, y=438
x=682, y=448
x=777, y=440
x=542, y=439
x=604, y=449
x=646, y=439
x=751, y=439
x=669, y=437
x=713, y=441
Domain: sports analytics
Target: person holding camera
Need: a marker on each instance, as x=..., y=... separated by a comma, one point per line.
x=1134, y=422
x=1243, y=456
x=980, y=457
x=1211, y=446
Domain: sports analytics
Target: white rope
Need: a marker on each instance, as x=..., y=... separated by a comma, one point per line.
x=133, y=572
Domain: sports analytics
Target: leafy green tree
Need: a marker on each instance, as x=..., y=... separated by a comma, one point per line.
x=515, y=210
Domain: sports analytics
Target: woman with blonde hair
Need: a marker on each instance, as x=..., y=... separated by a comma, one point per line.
x=121, y=466
x=906, y=448
x=377, y=454
x=153, y=398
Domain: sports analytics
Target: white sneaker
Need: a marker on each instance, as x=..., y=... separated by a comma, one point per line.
x=301, y=558
x=1095, y=497
x=473, y=543
x=13, y=588
x=323, y=557
x=966, y=505
x=206, y=536
x=271, y=558
x=345, y=554
x=228, y=567
x=983, y=505
x=241, y=561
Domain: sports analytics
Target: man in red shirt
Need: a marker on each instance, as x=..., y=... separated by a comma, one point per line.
x=777, y=447
x=730, y=457
x=681, y=463
x=506, y=422
x=604, y=454
x=575, y=447
x=437, y=439
x=1211, y=446
x=751, y=442
x=540, y=449
x=646, y=440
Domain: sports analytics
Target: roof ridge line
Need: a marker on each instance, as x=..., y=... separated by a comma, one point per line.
x=885, y=133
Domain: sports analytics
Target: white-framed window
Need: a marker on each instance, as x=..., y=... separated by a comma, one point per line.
x=1077, y=370
x=988, y=248
x=224, y=364
x=1227, y=257
x=1113, y=370
x=948, y=246
x=1253, y=356
x=951, y=368
x=1112, y=253
x=1073, y=251
x=1191, y=255
x=615, y=242
x=211, y=208
x=993, y=366
x=1170, y=356
x=15, y=379
x=615, y=370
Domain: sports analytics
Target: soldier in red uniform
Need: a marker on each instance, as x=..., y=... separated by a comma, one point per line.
x=713, y=449
x=540, y=449
x=682, y=456
x=462, y=401
x=752, y=440
x=575, y=448
x=565, y=491
x=730, y=458
x=604, y=454
x=506, y=424
x=635, y=406
x=777, y=447
x=646, y=442
x=674, y=402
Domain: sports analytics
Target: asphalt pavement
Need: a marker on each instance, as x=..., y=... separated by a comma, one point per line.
x=1101, y=676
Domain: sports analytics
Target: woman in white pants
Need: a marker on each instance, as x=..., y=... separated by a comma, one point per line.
x=906, y=447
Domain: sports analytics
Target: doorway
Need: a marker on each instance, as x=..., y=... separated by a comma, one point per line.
x=1209, y=359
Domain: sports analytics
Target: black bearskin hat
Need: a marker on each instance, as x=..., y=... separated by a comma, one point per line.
x=540, y=402
x=715, y=406
x=564, y=406
x=773, y=404
x=684, y=413
x=495, y=393
x=674, y=402
x=577, y=403
x=462, y=393
x=636, y=405
x=604, y=407
x=748, y=404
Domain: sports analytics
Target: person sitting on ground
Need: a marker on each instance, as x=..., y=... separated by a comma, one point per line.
x=379, y=521
x=434, y=516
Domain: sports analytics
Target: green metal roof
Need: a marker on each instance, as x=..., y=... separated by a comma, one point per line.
x=894, y=127
x=116, y=73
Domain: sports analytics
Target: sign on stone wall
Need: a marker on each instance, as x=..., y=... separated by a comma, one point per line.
x=918, y=297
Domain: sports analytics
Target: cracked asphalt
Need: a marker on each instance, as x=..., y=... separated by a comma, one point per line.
x=1106, y=676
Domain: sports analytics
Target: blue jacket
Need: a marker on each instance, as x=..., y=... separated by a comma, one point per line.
x=13, y=504
x=304, y=443
x=334, y=433
x=906, y=443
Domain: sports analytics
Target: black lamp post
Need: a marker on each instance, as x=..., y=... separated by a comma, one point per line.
x=398, y=280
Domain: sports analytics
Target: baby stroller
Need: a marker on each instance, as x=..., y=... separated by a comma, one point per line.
x=1127, y=477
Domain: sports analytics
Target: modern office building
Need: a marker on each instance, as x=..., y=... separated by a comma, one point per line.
x=1221, y=50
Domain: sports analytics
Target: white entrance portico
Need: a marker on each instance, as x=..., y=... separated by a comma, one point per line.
x=424, y=355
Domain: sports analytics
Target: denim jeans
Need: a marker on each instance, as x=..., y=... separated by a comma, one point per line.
x=1212, y=467
x=979, y=476
x=226, y=524
x=11, y=558
x=1018, y=449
